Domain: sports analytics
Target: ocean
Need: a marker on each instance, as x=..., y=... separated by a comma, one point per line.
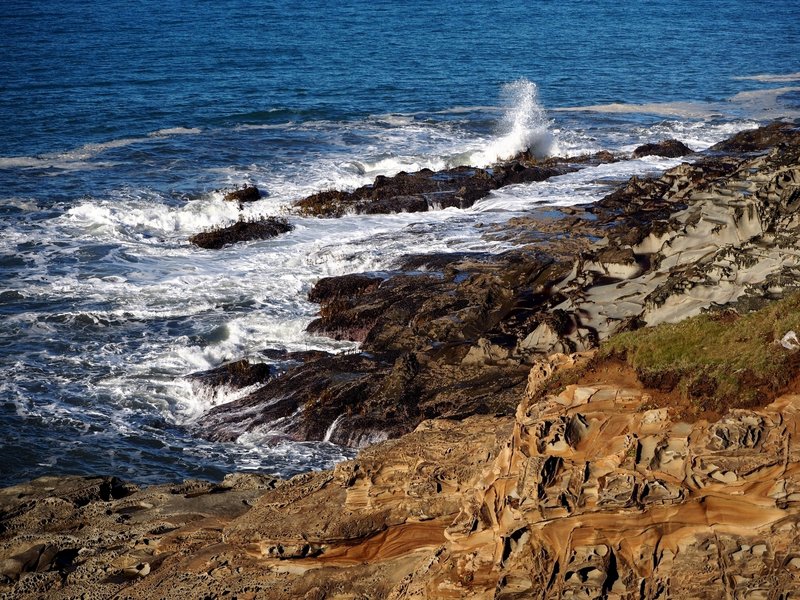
x=123, y=123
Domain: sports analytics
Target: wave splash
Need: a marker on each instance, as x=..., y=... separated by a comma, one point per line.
x=525, y=126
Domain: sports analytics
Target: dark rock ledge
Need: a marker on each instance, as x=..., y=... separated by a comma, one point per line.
x=459, y=187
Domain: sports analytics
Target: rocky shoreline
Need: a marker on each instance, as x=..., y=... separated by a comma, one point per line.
x=518, y=462
x=452, y=335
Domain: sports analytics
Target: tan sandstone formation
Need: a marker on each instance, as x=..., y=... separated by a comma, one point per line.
x=354, y=532
x=598, y=496
x=591, y=494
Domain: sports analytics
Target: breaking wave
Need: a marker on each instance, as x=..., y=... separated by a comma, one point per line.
x=524, y=127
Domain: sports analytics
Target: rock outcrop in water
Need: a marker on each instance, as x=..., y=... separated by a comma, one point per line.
x=459, y=187
x=666, y=148
x=247, y=193
x=237, y=374
x=241, y=231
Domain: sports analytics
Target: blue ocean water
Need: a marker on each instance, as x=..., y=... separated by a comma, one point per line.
x=121, y=121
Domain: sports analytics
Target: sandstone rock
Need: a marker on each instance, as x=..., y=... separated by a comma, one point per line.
x=355, y=532
x=72, y=537
x=596, y=495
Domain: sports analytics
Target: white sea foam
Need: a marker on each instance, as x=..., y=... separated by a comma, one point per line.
x=169, y=131
x=525, y=127
x=766, y=102
x=688, y=110
x=80, y=158
x=771, y=78
x=752, y=104
x=393, y=165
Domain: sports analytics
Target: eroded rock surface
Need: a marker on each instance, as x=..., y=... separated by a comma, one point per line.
x=599, y=495
x=360, y=529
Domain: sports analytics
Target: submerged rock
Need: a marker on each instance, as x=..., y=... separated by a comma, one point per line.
x=241, y=231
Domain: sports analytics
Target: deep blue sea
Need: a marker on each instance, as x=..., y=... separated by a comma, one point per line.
x=121, y=122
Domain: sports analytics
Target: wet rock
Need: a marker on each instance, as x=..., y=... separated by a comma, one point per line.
x=761, y=138
x=331, y=289
x=458, y=187
x=397, y=204
x=665, y=148
x=358, y=399
x=241, y=231
x=238, y=374
x=248, y=193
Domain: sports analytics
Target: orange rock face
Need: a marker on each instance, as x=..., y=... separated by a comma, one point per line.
x=596, y=496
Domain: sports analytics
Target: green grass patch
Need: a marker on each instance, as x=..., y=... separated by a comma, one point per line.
x=717, y=360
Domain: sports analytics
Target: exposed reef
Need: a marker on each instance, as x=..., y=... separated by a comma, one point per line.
x=459, y=187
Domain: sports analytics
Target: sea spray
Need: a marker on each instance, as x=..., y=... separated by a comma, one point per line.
x=524, y=126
